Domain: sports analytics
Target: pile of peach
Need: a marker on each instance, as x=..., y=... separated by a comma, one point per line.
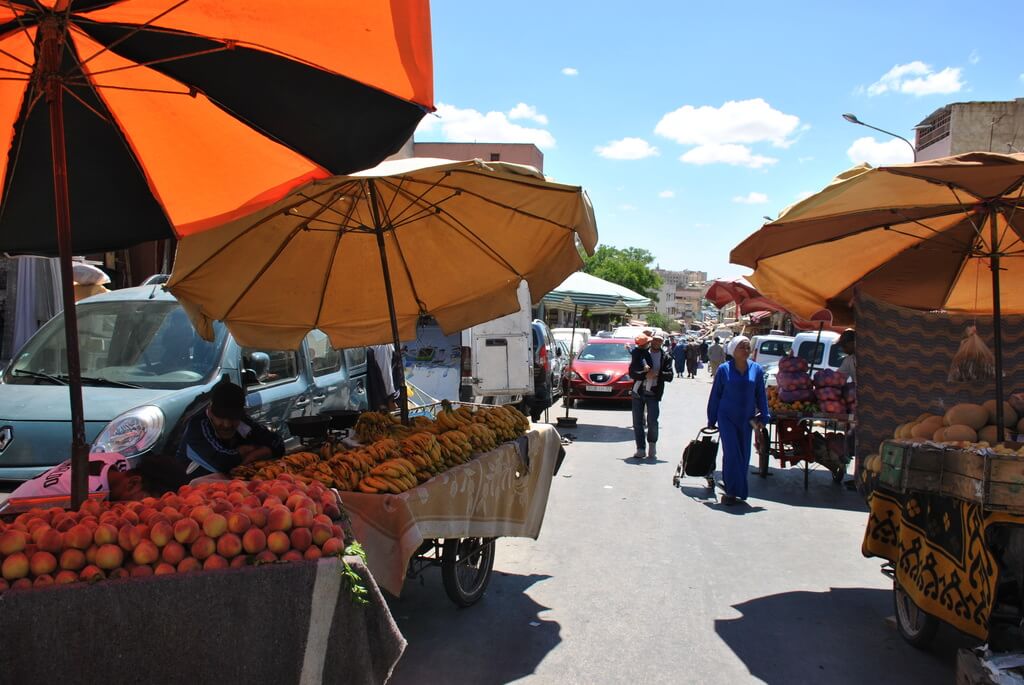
x=205, y=526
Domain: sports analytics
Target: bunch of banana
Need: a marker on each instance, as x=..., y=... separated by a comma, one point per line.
x=300, y=460
x=482, y=438
x=358, y=461
x=373, y=426
x=345, y=476
x=247, y=471
x=394, y=475
x=455, y=447
x=272, y=470
x=499, y=421
x=320, y=471
x=423, y=451
x=424, y=424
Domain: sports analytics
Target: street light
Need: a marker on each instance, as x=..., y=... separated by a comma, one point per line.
x=852, y=118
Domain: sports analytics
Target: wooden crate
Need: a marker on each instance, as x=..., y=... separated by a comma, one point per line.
x=995, y=481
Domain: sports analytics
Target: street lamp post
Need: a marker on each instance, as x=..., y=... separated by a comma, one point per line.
x=852, y=118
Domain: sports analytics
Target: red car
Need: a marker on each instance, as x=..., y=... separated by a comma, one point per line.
x=601, y=371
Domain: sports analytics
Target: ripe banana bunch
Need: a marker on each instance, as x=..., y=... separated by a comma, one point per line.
x=455, y=447
x=300, y=460
x=482, y=438
x=394, y=475
x=373, y=426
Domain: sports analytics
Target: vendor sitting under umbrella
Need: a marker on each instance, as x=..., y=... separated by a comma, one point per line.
x=152, y=476
x=223, y=437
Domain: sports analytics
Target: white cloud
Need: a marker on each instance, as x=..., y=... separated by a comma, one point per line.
x=917, y=78
x=627, y=148
x=457, y=125
x=735, y=155
x=627, y=208
x=751, y=198
x=737, y=121
x=667, y=194
x=571, y=71
x=525, y=111
x=876, y=153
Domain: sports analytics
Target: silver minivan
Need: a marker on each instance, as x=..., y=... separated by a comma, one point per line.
x=145, y=371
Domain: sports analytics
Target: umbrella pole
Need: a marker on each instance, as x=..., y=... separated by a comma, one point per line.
x=50, y=68
x=403, y=395
x=572, y=344
x=997, y=327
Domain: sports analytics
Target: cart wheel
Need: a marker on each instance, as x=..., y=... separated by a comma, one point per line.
x=763, y=442
x=466, y=565
x=915, y=626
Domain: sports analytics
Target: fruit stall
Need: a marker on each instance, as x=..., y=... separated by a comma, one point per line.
x=812, y=416
x=434, y=493
x=234, y=580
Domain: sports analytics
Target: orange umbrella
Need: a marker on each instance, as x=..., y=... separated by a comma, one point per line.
x=137, y=120
x=724, y=291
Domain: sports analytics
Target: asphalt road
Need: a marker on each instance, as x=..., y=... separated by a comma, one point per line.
x=634, y=580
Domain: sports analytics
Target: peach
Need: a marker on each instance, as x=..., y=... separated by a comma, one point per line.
x=51, y=541
x=236, y=498
x=72, y=559
x=21, y=584
x=65, y=524
x=280, y=518
x=163, y=569
x=303, y=517
x=311, y=553
x=145, y=552
x=105, y=534
x=254, y=541
x=13, y=541
x=109, y=557
x=200, y=512
x=215, y=562
x=36, y=532
x=215, y=525
x=189, y=564
x=271, y=502
x=90, y=554
x=42, y=563
x=186, y=531
x=301, y=539
x=266, y=557
x=332, y=511
x=119, y=572
x=130, y=516
x=251, y=501
x=64, y=577
x=15, y=566
x=229, y=545
x=172, y=515
x=4, y=585
x=91, y=506
x=239, y=561
x=292, y=555
x=127, y=537
x=278, y=542
x=321, y=533
x=295, y=500
x=91, y=574
x=280, y=491
x=141, y=570
x=173, y=552
x=149, y=502
x=238, y=523
x=161, y=533
x=43, y=580
x=323, y=518
x=259, y=516
x=203, y=548
x=333, y=546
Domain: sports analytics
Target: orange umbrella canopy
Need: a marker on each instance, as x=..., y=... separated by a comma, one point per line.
x=182, y=115
x=725, y=291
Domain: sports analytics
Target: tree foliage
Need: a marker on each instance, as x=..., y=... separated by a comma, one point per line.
x=628, y=267
x=661, y=321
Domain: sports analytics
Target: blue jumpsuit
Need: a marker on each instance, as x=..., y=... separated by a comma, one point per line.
x=734, y=398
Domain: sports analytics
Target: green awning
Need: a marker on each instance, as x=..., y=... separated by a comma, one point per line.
x=597, y=296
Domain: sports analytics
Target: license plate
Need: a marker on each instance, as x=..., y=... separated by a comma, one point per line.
x=599, y=388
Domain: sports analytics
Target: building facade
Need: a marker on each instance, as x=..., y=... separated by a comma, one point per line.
x=517, y=153
x=680, y=294
x=970, y=127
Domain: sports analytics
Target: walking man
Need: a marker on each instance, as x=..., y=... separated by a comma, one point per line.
x=716, y=355
x=647, y=396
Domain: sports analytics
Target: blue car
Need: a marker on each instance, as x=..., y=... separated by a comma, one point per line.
x=144, y=368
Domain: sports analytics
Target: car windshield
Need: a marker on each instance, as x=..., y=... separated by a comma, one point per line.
x=813, y=353
x=607, y=352
x=149, y=344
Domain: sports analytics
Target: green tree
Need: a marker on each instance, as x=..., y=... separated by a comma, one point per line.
x=628, y=267
x=661, y=321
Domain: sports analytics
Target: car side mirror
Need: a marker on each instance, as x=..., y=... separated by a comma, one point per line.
x=257, y=368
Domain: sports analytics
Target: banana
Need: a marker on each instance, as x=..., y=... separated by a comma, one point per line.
x=367, y=489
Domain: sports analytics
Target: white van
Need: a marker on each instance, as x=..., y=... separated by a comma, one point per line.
x=821, y=354
x=576, y=342
x=497, y=357
x=630, y=332
x=767, y=349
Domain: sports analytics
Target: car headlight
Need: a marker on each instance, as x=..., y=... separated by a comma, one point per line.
x=131, y=433
x=573, y=376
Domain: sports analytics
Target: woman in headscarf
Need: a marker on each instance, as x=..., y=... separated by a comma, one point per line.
x=737, y=396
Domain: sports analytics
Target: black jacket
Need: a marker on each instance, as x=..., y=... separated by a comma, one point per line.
x=637, y=373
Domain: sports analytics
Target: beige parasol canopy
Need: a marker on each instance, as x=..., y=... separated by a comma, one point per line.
x=439, y=237
x=918, y=235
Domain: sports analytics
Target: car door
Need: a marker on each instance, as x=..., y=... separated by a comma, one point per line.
x=336, y=385
x=278, y=392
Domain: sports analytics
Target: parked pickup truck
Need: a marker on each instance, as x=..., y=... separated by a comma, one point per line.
x=145, y=370
x=497, y=357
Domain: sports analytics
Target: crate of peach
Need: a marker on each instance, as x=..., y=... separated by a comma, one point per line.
x=204, y=526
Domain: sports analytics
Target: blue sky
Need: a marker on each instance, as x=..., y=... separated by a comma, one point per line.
x=687, y=122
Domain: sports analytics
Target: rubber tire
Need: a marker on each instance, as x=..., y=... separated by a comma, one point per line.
x=839, y=475
x=921, y=635
x=462, y=596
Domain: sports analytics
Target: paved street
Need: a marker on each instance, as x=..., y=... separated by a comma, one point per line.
x=632, y=580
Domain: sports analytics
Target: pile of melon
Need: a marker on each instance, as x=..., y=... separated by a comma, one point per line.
x=963, y=423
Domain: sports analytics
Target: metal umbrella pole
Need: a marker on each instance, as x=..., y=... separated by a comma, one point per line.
x=570, y=421
x=997, y=326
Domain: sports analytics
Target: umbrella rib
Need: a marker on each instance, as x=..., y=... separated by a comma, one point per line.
x=423, y=211
x=162, y=60
x=405, y=263
x=130, y=34
x=18, y=18
x=330, y=268
x=414, y=203
x=33, y=100
x=85, y=104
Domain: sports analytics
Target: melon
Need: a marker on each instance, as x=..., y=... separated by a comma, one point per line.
x=990, y=435
x=922, y=417
x=904, y=431
x=940, y=435
x=926, y=429
x=1009, y=413
x=966, y=414
x=1020, y=426
x=960, y=433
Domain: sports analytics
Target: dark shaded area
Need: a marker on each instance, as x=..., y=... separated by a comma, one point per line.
x=496, y=641
x=786, y=486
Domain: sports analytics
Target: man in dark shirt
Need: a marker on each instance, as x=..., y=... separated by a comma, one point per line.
x=223, y=437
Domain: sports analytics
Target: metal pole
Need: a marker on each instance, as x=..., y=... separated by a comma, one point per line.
x=50, y=55
x=997, y=326
x=403, y=400
x=572, y=342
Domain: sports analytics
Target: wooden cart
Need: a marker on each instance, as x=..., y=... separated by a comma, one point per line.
x=811, y=439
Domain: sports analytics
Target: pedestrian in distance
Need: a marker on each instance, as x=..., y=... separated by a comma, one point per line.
x=738, y=399
x=651, y=367
x=704, y=346
x=679, y=356
x=716, y=355
x=692, y=357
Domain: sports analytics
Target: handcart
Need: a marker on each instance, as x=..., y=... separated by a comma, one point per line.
x=812, y=439
x=699, y=458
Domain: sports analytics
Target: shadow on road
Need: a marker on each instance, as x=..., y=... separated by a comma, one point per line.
x=594, y=433
x=738, y=509
x=643, y=462
x=786, y=486
x=839, y=636
x=500, y=639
